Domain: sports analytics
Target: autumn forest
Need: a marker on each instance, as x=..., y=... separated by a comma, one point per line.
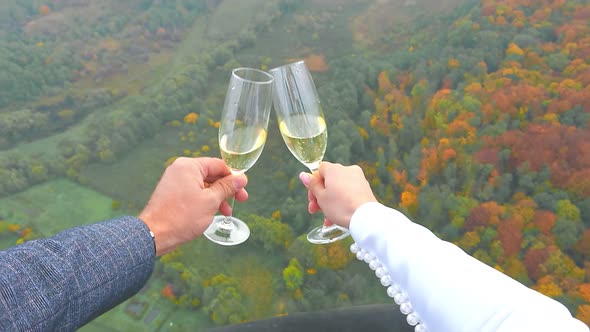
x=471, y=117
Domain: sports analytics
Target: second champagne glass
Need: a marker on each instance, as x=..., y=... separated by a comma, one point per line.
x=303, y=127
x=242, y=134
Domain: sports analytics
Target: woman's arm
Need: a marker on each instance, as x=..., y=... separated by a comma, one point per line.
x=448, y=289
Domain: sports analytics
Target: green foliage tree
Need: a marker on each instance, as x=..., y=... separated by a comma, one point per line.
x=273, y=235
x=223, y=301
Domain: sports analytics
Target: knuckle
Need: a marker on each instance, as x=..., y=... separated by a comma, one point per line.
x=180, y=162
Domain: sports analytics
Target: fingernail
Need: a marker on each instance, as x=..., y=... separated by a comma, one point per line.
x=239, y=182
x=305, y=178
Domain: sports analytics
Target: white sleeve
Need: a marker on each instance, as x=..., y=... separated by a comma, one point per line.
x=449, y=289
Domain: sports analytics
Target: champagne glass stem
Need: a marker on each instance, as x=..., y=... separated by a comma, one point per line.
x=226, y=225
x=227, y=219
x=315, y=170
x=227, y=230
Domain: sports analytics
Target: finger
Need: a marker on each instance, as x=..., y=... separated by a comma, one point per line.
x=212, y=168
x=313, y=207
x=316, y=185
x=228, y=186
x=242, y=195
x=225, y=208
x=324, y=167
x=311, y=197
x=327, y=222
x=210, y=180
x=305, y=178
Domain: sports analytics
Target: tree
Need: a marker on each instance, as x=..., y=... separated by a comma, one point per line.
x=583, y=245
x=222, y=300
x=544, y=220
x=510, y=235
x=584, y=313
x=272, y=234
x=557, y=61
x=191, y=118
x=548, y=286
x=533, y=260
x=44, y=10
x=568, y=228
x=293, y=275
x=567, y=232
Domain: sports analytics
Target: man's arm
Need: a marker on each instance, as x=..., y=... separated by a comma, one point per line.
x=63, y=282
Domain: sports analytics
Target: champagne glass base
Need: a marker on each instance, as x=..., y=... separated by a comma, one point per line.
x=327, y=234
x=227, y=233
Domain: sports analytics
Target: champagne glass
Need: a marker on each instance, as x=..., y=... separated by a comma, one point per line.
x=303, y=127
x=242, y=134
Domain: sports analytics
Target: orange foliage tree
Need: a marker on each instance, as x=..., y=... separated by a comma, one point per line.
x=316, y=63
x=44, y=10
x=510, y=235
x=191, y=118
x=584, y=313
x=533, y=260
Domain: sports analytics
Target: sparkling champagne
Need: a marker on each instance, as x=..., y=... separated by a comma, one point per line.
x=241, y=148
x=306, y=137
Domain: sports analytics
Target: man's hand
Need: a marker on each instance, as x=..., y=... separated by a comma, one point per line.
x=186, y=199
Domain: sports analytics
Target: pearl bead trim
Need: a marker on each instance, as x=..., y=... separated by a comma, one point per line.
x=394, y=291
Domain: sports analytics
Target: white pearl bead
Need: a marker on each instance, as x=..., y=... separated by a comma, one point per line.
x=354, y=248
x=420, y=328
x=392, y=290
x=360, y=255
x=413, y=319
x=400, y=298
x=375, y=264
x=385, y=281
x=369, y=257
x=380, y=272
x=406, y=308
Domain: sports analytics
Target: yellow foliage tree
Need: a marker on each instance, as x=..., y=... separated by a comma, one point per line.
x=514, y=267
x=409, y=200
x=338, y=255
x=514, y=49
x=276, y=215
x=384, y=82
x=547, y=286
x=363, y=133
x=469, y=240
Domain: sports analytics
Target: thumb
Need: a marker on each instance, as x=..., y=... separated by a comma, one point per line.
x=228, y=186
